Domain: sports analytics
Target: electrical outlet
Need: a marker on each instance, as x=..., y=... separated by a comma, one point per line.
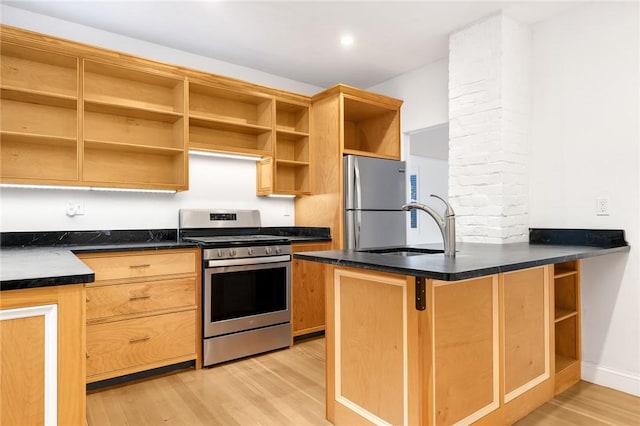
x=602, y=206
x=75, y=208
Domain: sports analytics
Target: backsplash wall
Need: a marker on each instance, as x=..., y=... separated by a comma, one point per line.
x=213, y=182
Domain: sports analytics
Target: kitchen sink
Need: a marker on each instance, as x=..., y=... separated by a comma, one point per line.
x=402, y=251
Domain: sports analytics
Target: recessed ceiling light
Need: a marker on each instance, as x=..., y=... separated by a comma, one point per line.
x=347, y=40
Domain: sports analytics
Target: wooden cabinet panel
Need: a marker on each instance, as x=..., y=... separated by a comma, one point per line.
x=526, y=330
x=465, y=349
x=117, y=346
x=307, y=291
x=144, y=265
x=22, y=375
x=123, y=299
x=371, y=316
x=42, y=358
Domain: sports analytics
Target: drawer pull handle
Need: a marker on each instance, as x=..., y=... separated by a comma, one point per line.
x=140, y=297
x=144, y=265
x=139, y=339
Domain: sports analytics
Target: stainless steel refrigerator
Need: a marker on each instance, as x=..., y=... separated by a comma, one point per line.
x=374, y=192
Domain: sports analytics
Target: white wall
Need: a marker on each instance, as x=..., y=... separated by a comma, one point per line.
x=425, y=95
x=213, y=182
x=586, y=138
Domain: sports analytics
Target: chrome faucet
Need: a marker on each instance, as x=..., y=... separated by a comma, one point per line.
x=447, y=225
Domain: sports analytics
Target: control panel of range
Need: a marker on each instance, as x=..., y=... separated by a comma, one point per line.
x=245, y=252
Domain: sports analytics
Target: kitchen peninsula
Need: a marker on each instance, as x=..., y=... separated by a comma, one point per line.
x=486, y=336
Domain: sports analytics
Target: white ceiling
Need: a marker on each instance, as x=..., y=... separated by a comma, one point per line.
x=297, y=39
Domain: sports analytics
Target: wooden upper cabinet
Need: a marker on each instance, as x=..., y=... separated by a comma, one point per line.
x=231, y=121
x=39, y=118
x=134, y=131
x=370, y=123
x=288, y=172
x=370, y=128
x=79, y=115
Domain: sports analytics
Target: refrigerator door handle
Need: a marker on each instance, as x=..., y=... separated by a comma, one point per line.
x=357, y=228
x=357, y=190
x=357, y=195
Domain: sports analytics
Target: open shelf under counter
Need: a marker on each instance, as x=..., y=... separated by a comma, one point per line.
x=563, y=314
x=564, y=362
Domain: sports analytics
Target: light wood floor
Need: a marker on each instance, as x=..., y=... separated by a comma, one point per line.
x=287, y=388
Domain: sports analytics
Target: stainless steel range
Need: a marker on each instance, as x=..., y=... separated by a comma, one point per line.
x=246, y=278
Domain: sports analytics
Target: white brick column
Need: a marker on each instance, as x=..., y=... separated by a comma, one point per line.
x=489, y=131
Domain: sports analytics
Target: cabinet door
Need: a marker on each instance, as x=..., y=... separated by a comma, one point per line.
x=307, y=291
x=465, y=349
x=126, y=346
x=525, y=305
x=372, y=344
x=42, y=359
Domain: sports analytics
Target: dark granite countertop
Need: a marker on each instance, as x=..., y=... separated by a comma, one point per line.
x=32, y=267
x=471, y=260
x=39, y=259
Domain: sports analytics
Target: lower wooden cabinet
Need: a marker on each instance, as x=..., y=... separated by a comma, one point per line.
x=307, y=291
x=142, y=311
x=127, y=345
x=568, y=354
x=464, y=318
x=481, y=352
x=42, y=363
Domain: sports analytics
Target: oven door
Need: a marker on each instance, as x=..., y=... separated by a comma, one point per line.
x=245, y=297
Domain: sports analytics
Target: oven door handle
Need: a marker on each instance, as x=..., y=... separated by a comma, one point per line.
x=248, y=261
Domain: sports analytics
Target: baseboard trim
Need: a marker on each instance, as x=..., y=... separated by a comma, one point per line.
x=611, y=378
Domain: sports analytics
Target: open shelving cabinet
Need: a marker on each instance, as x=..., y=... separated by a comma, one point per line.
x=229, y=121
x=566, y=284
x=288, y=172
x=370, y=128
x=39, y=119
x=134, y=131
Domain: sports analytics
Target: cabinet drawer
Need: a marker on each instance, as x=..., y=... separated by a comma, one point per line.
x=122, y=299
x=141, y=265
x=124, y=344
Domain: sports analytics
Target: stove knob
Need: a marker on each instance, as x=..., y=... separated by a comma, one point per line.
x=249, y=251
x=232, y=252
x=268, y=250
